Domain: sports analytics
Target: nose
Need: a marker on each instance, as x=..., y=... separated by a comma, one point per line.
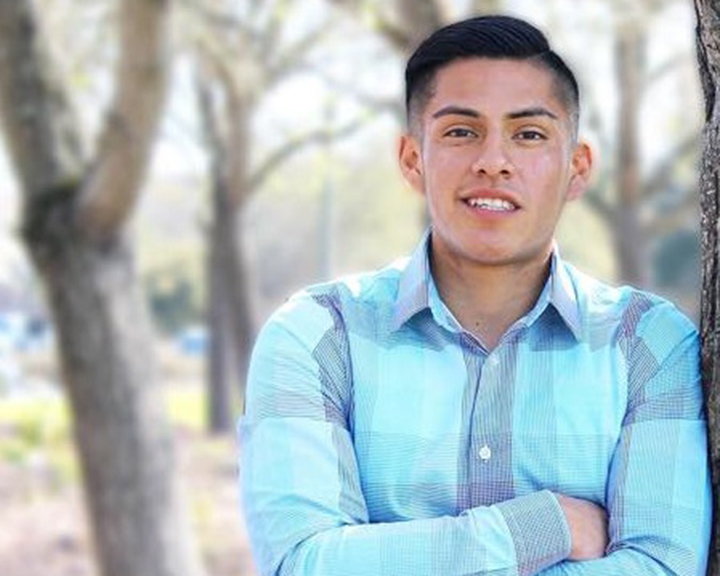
x=492, y=159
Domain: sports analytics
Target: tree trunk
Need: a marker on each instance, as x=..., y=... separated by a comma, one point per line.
x=108, y=366
x=226, y=125
x=239, y=113
x=239, y=297
x=74, y=226
x=708, y=45
x=221, y=368
x=231, y=323
x=629, y=237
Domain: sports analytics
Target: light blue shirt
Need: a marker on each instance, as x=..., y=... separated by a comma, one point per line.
x=381, y=439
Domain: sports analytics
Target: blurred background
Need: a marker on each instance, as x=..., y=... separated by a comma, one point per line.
x=274, y=168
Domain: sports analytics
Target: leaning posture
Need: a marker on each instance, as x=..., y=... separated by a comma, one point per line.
x=482, y=407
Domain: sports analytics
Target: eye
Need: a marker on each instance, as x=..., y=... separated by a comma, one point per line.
x=460, y=133
x=530, y=134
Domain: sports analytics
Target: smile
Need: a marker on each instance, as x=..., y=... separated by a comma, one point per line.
x=493, y=204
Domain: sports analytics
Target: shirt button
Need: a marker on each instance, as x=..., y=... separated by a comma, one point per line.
x=485, y=453
x=493, y=361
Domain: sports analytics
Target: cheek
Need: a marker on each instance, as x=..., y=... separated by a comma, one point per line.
x=545, y=173
x=445, y=167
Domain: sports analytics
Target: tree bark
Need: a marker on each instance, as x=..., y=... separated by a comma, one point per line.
x=708, y=48
x=124, y=148
x=123, y=437
x=74, y=225
x=222, y=358
x=226, y=123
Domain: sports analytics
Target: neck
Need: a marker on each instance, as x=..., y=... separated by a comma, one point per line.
x=488, y=299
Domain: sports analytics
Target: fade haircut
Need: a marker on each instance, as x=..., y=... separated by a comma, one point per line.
x=497, y=37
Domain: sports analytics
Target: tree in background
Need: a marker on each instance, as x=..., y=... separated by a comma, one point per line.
x=75, y=218
x=630, y=203
x=633, y=205
x=708, y=44
x=241, y=54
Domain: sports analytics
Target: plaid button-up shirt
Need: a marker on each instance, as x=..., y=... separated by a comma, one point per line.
x=381, y=439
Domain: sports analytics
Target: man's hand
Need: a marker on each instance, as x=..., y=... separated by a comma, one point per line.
x=588, y=527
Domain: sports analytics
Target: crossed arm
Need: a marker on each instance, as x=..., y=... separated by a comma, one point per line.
x=307, y=515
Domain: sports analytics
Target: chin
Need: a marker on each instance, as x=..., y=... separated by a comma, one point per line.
x=502, y=256
x=488, y=256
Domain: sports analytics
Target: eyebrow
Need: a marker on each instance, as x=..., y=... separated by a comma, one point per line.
x=453, y=110
x=536, y=111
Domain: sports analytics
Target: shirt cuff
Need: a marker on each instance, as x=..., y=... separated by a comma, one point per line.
x=539, y=531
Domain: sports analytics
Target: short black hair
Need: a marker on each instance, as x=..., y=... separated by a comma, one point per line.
x=491, y=36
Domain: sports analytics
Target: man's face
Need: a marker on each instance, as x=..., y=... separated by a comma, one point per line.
x=494, y=154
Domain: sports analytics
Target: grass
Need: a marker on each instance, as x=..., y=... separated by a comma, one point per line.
x=38, y=430
x=187, y=407
x=33, y=429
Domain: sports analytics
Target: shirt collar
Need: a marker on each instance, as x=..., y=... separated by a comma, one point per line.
x=563, y=296
x=415, y=282
x=417, y=288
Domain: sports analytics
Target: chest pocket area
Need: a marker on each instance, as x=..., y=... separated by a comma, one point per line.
x=568, y=412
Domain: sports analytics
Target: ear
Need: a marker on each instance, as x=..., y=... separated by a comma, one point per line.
x=410, y=159
x=581, y=168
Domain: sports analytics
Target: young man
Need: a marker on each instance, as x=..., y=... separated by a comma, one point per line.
x=482, y=408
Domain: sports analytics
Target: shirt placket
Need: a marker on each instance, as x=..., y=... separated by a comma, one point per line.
x=489, y=447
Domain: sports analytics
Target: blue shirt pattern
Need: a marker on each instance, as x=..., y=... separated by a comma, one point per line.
x=381, y=439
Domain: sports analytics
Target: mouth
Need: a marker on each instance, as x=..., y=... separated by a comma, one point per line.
x=490, y=204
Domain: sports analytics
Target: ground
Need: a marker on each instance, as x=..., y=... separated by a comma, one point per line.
x=44, y=526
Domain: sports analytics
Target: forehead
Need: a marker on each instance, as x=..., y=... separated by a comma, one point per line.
x=494, y=86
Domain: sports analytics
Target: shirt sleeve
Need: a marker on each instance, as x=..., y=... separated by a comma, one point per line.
x=658, y=495
x=302, y=498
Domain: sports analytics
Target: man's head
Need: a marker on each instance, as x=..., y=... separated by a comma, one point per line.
x=494, y=37
x=492, y=141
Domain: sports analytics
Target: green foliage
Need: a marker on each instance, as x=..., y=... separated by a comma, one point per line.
x=173, y=299
x=39, y=429
x=586, y=242
x=676, y=261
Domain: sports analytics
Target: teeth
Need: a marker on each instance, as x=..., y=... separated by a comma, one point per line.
x=491, y=204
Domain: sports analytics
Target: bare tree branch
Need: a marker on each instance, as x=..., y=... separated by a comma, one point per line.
x=655, y=6
x=666, y=68
x=220, y=61
x=396, y=36
x=211, y=132
x=487, y=6
x=126, y=140
x=215, y=16
x=293, y=146
x=662, y=173
x=270, y=37
x=600, y=206
x=399, y=36
x=666, y=223
x=375, y=103
x=354, y=5
x=419, y=19
x=36, y=113
x=292, y=56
